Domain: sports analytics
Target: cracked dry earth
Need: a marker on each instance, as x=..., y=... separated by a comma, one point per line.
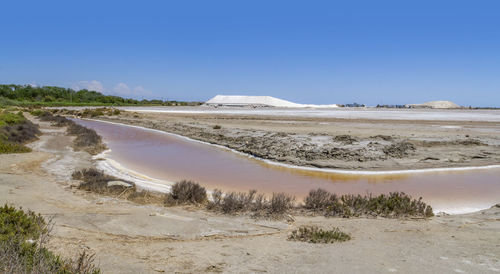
x=133, y=238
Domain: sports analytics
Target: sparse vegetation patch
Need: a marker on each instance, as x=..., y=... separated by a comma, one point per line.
x=316, y=235
x=258, y=204
x=86, y=139
x=394, y=205
x=15, y=131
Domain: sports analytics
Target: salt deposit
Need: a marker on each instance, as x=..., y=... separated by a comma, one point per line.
x=435, y=104
x=258, y=101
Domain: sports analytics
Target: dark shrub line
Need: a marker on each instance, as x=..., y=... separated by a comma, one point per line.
x=86, y=139
x=394, y=205
x=15, y=131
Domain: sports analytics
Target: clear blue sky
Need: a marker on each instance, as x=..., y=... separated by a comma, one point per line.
x=372, y=52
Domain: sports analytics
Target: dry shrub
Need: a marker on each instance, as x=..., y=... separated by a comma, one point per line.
x=396, y=204
x=186, y=192
x=314, y=234
x=280, y=203
x=20, y=133
x=86, y=139
x=240, y=202
x=144, y=197
x=96, y=181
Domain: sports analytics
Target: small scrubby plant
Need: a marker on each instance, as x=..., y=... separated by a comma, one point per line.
x=23, y=239
x=314, y=234
x=186, y=192
x=258, y=204
x=97, y=181
x=396, y=204
x=15, y=131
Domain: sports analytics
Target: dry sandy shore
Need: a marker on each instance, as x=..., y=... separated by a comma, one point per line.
x=366, y=144
x=131, y=238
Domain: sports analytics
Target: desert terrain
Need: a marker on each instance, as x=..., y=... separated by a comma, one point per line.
x=146, y=238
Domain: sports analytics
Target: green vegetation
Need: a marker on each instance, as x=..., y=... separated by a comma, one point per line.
x=314, y=234
x=15, y=131
x=26, y=95
x=23, y=239
x=394, y=205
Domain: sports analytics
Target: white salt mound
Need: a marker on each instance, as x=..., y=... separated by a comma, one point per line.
x=436, y=104
x=267, y=101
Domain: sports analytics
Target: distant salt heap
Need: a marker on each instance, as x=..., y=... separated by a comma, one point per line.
x=435, y=104
x=258, y=101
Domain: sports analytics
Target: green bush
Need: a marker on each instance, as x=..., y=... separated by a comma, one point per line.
x=23, y=239
x=12, y=148
x=15, y=130
x=314, y=234
x=37, y=112
x=9, y=118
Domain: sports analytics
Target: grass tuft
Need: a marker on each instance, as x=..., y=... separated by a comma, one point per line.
x=315, y=235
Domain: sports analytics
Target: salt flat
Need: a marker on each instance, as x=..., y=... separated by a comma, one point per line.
x=341, y=113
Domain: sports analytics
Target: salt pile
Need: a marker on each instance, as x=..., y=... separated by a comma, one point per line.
x=256, y=101
x=435, y=104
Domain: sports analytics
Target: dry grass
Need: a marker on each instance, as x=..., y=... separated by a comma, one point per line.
x=314, y=234
x=394, y=205
x=258, y=204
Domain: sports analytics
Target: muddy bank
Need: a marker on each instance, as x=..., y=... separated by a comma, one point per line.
x=132, y=238
x=341, y=144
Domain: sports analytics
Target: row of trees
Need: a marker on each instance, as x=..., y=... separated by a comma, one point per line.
x=52, y=94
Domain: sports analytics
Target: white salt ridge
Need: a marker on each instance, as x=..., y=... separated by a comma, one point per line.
x=437, y=104
x=241, y=100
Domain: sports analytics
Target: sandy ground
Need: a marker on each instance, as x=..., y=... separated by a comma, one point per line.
x=366, y=144
x=132, y=238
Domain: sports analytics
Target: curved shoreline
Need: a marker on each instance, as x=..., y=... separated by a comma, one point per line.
x=325, y=170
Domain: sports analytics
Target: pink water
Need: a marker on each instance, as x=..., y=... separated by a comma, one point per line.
x=172, y=158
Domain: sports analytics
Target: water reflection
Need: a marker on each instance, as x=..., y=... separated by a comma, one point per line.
x=172, y=158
